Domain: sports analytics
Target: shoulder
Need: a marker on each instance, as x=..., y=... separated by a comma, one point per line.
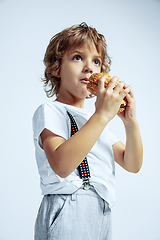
x=51, y=116
x=49, y=108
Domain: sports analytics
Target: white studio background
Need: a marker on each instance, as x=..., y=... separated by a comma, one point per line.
x=132, y=32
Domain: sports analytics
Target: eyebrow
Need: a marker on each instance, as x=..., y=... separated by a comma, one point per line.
x=75, y=51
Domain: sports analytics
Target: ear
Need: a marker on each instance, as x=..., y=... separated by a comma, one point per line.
x=56, y=74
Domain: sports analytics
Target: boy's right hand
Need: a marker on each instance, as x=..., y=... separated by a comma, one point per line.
x=109, y=99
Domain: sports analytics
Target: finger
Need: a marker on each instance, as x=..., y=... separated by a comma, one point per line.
x=130, y=97
x=129, y=100
x=131, y=93
x=125, y=84
x=101, y=83
x=125, y=91
x=120, y=87
x=112, y=83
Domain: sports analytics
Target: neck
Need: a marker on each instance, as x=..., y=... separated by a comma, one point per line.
x=76, y=102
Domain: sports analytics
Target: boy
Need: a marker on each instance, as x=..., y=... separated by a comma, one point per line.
x=69, y=210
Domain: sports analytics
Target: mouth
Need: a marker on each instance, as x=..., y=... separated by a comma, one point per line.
x=85, y=80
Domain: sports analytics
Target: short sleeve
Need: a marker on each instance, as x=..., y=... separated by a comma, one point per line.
x=51, y=117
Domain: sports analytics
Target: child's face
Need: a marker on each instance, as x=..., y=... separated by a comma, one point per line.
x=76, y=68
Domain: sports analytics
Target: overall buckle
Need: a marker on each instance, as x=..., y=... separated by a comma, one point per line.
x=86, y=184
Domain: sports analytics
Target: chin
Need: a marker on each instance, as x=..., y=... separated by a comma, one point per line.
x=87, y=94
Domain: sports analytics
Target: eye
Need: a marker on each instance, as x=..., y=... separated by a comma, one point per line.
x=77, y=58
x=97, y=62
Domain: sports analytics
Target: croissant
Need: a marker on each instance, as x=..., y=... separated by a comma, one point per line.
x=93, y=87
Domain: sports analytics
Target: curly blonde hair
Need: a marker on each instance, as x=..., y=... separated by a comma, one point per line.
x=65, y=41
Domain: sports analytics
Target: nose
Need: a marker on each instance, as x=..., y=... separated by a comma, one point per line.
x=88, y=68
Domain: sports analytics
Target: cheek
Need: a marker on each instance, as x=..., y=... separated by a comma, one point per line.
x=97, y=69
x=66, y=79
x=67, y=71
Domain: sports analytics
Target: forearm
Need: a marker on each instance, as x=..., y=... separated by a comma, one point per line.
x=68, y=155
x=133, y=154
x=65, y=156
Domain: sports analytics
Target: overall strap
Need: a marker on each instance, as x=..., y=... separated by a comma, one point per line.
x=83, y=168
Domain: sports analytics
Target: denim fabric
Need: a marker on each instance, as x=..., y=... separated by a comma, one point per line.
x=81, y=215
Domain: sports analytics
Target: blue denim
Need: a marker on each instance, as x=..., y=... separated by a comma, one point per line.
x=82, y=215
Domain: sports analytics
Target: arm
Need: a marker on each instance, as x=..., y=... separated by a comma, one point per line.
x=130, y=156
x=64, y=156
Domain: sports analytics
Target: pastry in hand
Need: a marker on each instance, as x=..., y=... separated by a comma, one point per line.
x=93, y=87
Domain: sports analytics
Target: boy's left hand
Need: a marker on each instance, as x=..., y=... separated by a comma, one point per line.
x=129, y=114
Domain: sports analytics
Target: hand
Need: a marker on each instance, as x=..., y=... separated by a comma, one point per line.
x=110, y=98
x=129, y=115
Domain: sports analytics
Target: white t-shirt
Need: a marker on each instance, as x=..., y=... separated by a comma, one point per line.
x=53, y=116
